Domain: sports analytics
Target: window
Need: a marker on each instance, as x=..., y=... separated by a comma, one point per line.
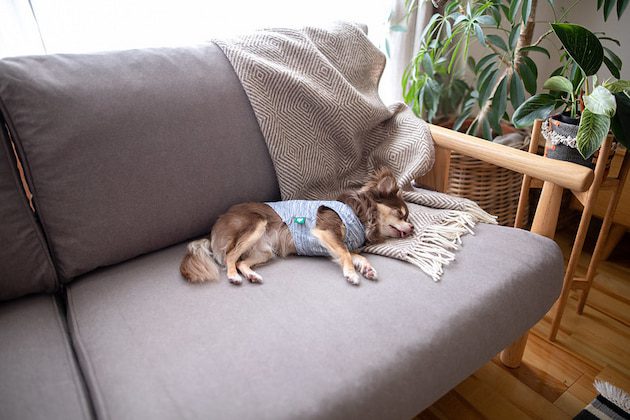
x=97, y=25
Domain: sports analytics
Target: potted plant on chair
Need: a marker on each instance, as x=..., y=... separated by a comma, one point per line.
x=588, y=110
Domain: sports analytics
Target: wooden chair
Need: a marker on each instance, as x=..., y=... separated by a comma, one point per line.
x=555, y=176
x=587, y=198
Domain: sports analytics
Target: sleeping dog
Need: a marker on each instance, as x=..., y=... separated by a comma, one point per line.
x=250, y=234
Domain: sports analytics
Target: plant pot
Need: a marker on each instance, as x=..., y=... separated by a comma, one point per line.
x=560, y=132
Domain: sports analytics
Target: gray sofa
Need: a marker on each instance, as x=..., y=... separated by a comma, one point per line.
x=128, y=155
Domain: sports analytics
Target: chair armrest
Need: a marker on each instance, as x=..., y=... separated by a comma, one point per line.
x=563, y=174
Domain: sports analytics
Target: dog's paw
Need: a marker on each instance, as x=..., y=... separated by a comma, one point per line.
x=236, y=279
x=352, y=278
x=254, y=278
x=369, y=272
x=366, y=269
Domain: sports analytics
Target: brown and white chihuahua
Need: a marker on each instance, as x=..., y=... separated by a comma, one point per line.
x=250, y=234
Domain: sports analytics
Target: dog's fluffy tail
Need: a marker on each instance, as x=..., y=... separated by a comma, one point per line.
x=198, y=264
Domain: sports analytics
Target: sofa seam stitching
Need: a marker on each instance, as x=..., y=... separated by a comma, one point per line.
x=98, y=395
x=70, y=358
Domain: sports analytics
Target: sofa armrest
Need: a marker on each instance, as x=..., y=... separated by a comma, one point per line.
x=556, y=175
x=563, y=174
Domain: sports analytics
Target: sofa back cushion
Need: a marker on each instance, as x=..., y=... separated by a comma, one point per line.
x=128, y=152
x=25, y=265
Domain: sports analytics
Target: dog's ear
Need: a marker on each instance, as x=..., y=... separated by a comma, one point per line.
x=385, y=182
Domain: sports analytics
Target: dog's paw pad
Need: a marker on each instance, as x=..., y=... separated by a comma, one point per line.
x=236, y=280
x=369, y=273
x=255, y=278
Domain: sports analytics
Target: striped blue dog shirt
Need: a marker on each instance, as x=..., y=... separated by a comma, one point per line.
x=301, y=216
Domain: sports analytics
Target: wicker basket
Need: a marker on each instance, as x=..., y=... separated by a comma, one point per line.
x=495, y=189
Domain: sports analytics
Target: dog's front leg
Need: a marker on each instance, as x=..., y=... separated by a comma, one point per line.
x=363, y=265
x=339, y=252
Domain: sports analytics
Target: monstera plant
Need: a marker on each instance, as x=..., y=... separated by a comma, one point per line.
x=574, y=90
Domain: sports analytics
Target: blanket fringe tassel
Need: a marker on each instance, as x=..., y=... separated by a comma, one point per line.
x=435, y=247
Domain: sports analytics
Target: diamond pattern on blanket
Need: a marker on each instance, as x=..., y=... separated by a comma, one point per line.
x=314, y=92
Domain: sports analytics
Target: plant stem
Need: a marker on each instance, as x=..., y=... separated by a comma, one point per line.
x=543, y=36
x=526, y=34
x=566, y=12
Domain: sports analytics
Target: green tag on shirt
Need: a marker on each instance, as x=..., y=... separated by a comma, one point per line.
x=299, y=220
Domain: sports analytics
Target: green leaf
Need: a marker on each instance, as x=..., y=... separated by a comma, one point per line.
x=614, y=70
x=466, y=112
x=498, y=41
x=582, y=45
x=537, y=49
x=613, y=57
x=531, y=64
x=496, y=14
x=398, y=28
x=621, y=7
x=558, y=71
x=620, y=123
x=487, y=72
x=486, y=20
x=427, y=65
x=537, y=107
x=479, y=34
x=593, y=129
x=607, y=38
x=608, y=7
x=486, y=130
x=517, y=91
x=526, y=9
x=499, y=101
x=599, y=4
x=618, y=86
x=601, y=101
x=559, y=83
x=512, y=11
x=529, y=79
x=513, y=38
x=484, y=88
x=472, y=129
x=482, y=62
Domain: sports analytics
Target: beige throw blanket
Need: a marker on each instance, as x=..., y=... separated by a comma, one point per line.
x=314, y=92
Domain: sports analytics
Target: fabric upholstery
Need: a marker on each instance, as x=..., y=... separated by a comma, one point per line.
x=25, y=265
x=305, y=344
x=38, y=371
x=128, y=152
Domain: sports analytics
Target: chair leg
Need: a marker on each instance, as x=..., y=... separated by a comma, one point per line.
x=511, y=356
x=602, y=238
x=570, y=272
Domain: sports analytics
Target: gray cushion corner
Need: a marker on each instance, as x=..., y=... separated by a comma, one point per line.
x=40, y=376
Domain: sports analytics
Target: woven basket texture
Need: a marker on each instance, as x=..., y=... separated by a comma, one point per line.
x=495, y=189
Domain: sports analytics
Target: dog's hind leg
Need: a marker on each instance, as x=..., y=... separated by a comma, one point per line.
x=255, y=257
x=243, y=245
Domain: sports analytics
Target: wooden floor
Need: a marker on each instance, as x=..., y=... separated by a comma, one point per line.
x=555, y=379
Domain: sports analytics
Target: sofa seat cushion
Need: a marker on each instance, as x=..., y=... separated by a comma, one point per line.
x=306, y=344
x=40, y=376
